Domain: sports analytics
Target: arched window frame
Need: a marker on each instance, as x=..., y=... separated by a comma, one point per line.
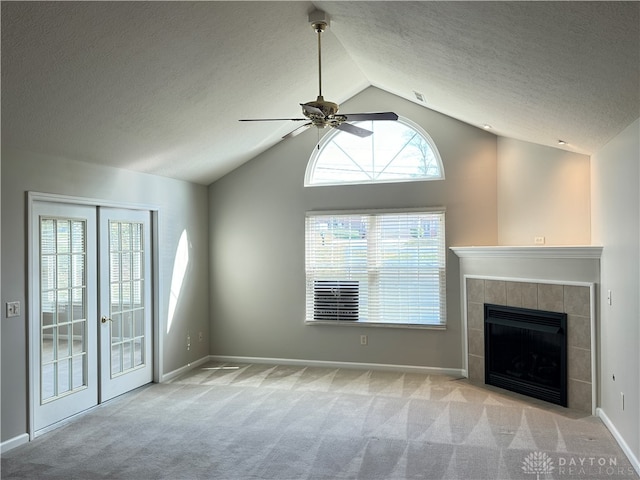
x=318, y=151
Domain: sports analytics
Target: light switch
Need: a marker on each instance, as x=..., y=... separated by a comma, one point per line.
x=13, y=309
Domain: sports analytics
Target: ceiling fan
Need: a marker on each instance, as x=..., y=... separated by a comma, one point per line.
x=322, y=113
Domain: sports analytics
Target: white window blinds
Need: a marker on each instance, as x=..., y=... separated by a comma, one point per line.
x=376, y=267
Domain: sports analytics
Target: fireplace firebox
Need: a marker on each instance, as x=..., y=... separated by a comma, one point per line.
x=526, y=351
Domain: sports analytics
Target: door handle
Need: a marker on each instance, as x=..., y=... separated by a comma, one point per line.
x=105, y=319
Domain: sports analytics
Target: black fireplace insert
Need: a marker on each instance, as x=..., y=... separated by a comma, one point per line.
x=526, y=351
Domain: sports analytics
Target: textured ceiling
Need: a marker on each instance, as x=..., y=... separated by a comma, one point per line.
x=158, y=87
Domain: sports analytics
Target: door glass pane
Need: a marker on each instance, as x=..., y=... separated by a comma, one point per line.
x=79, y=337
x=127, y=325
x=138, y=322
x=48, y=340
x=125, y=288
x=77, y=237
x=78, y=300
x=64, y=375
x=63, y=306
x=127, y=355
x=64, y=346
x=79, y=369
x=138, y=357
x=62, y=236
x=48, y=381
x=116, y=358
x=127, y=309
x=116, y=328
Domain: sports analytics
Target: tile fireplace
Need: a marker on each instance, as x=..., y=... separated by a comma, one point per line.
x=553, y=279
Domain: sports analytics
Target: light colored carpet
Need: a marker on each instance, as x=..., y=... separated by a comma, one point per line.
x=240, y=422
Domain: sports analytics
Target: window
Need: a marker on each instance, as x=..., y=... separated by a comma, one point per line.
x=398, y=151
x=376, y=267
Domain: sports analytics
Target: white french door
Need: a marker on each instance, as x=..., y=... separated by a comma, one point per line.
x=125, y=301
x=64, y=333
x=91, y=315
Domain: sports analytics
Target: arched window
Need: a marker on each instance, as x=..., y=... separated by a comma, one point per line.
x=398, y=151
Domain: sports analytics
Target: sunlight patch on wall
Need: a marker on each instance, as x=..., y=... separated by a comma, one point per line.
x=179, y=269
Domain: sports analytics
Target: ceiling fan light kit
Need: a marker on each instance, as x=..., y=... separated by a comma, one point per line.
x=323, y=113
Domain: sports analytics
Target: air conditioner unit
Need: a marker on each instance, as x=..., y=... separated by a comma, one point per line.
x=335, y=299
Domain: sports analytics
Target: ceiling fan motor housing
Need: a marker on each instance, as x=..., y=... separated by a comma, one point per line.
x=321, y=112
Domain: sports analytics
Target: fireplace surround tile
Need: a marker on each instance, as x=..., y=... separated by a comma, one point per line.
x=576, y=300
x=495, y=292
x=568, y=299
x=476, y=369
x=476, y=342
x=580, y=366
x=475, y=315
x=579, y=331
x=579, y=395
x=514, y=294
x=475, y=290
x=551, y=297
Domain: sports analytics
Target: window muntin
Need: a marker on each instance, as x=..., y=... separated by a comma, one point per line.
x=398, y=151
x=396, y=258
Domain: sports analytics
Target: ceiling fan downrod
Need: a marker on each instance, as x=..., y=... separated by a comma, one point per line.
x=319, y=27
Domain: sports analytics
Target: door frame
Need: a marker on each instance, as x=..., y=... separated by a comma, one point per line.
x=157, y=343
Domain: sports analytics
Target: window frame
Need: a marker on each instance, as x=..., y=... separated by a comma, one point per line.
x=442, y=271
x=330, y=136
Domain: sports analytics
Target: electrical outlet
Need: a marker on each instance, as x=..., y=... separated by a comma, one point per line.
x=364, y=340
x=188, y=341
x=13, y=309
x=200, y=336
x=538, y=240
x=609, y=297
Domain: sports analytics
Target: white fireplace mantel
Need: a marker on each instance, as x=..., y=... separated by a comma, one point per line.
x=536, y=252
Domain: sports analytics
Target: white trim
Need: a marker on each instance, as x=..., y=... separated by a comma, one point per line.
x=14, y=442
x=571, y=283
x=465, y=325
x=620, y=439
x=375, y=211
x=455, y=372
x=592, y=319
x=158, y=344
x=593, y=312
x=542, y=251
x=93, y=202
x=179, y=371
x=359, y=323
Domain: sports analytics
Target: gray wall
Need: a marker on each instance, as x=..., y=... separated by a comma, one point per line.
x=542, y=192
x=181, y=206
x=615, y=209
x=257, y=244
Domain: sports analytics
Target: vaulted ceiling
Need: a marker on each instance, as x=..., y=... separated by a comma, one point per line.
x=158, y=87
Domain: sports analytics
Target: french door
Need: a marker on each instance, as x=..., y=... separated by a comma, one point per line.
x=91, y=315
x=125, y=301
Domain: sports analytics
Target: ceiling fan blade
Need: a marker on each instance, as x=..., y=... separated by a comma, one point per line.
x=312, y=109
x=360, y=132
x=361, y=117
x=297, y=131
x=272, y=119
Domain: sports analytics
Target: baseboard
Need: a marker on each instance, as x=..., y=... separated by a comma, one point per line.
x=455, y=372
x=189, y=366
x=619, y=438
x=14, y=442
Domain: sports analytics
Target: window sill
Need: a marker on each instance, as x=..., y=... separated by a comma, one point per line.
x=346, y=323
